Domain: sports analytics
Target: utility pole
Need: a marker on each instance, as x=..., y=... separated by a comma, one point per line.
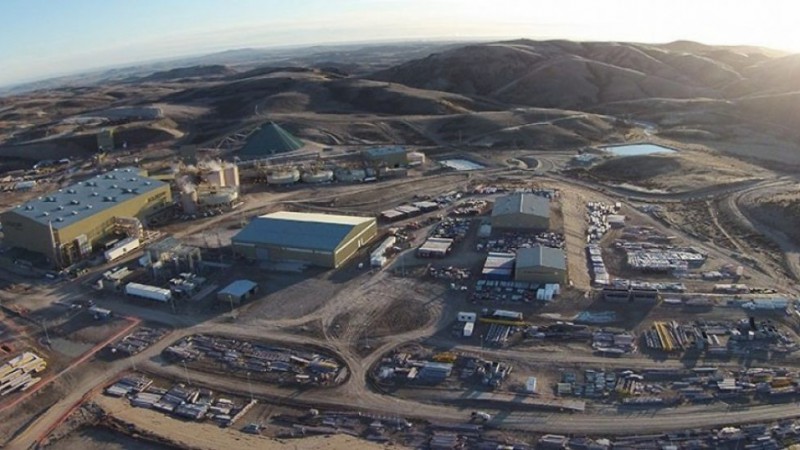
x=249, y=386
x=186, y=372
x=46, y=335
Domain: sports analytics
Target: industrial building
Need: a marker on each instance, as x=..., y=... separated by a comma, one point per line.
x=541, y=264
x=521, y=211
x=237, y=292
x=324, y=240
x=386, y=156
x=172, y=256
x=66, y=225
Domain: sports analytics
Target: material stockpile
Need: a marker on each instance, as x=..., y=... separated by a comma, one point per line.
x=562, y=331
x=277, y=364
x=179, y=400
x=452, y=228
x=599, y=273
x=608, y=342
x=511, y=242
x=498, y=291
x=449, y=273
x=17, y=374
x=719, y=338
x=660, y=260
x=469, y=208
x=670, y=336
x=137, y=341
x=498, y=335
x=597, y=218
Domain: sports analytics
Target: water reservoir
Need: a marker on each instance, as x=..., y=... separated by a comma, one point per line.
x=637, y=149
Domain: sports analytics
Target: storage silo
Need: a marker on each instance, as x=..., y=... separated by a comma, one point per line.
x=283, y=176
x=231, y=172
x=317, y=176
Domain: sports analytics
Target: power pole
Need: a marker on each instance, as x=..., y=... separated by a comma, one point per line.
x=186, y=372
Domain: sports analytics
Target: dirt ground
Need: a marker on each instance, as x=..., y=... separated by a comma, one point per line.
x=691, y=168
x=208, y=436
x=101, y=438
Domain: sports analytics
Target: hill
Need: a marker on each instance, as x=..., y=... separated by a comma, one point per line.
x=564, y=74
x=211, y=71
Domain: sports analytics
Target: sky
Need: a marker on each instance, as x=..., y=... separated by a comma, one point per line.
x=45, y=38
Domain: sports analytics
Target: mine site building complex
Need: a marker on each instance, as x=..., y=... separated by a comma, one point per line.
x=521, y=211
x=67, y=224
x=324, y=240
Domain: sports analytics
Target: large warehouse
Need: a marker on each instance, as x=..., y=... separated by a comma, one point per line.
x=521, y=212
x=541, y=264
x=324, y=240
x=65, y=225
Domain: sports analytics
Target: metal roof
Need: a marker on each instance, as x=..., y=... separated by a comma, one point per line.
x=540, y=256
x=521, y=203
x=300, y=230
x=436, y=245
x=384, y=151
x=81, y=200
x=239, y=288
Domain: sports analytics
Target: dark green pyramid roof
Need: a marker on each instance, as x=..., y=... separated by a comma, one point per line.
x=270, y=139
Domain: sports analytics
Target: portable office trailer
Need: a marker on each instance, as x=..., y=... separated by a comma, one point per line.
x=467, y=316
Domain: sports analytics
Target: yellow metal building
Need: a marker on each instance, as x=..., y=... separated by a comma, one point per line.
x=66, y=224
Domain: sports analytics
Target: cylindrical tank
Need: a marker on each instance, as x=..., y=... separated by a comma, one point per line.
x=189, y=201
x=219, y=197
x=317, y=176
x=287, y=176
x=231, y=172
x=216, y=177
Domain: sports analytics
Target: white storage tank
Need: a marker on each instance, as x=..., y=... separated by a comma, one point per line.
x=219, y=197
x=317, y=176
x=287, y=176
